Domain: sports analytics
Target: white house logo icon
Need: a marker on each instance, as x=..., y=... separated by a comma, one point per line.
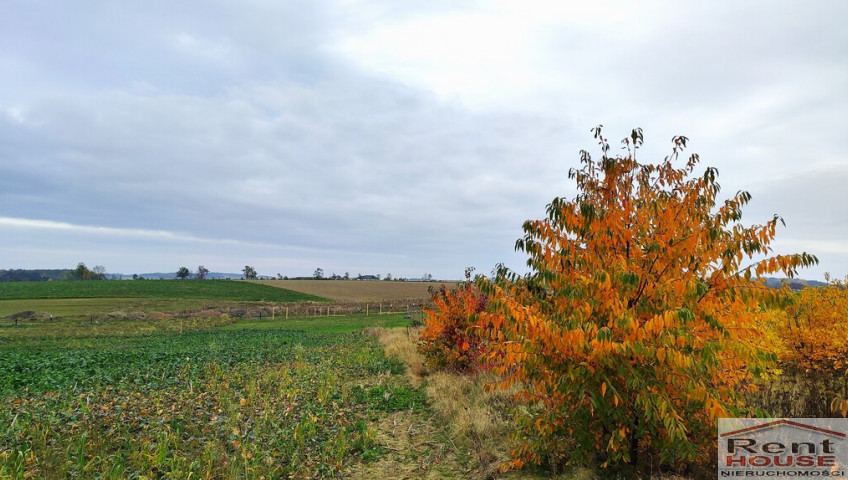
x=784, y=447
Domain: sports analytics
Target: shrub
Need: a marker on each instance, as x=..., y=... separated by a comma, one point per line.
x=815, y=330
x=451, y=338
x=638, y=324
x=811, y=340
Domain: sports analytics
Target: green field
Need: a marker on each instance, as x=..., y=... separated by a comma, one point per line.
x=148, y=289
x=249, y=399
x=93, y=395
x=77, y=307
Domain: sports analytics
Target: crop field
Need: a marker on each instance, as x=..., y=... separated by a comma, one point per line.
x=79, y=307
x=356, y=291
x=181, y=289
x=300, y=398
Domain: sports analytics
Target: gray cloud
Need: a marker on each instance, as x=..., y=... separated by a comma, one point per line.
x=336, y=166
x=377, y=136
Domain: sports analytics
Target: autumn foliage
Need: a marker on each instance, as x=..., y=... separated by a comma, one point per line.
x=639, y=323
x=814, y=330
x=451, y=339
x=811, y=341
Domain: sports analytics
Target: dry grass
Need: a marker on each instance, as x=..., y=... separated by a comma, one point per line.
x=401, y=343
x=356, y=291
x=476, y=419
x=474, y=416
x=415, y=449
x=470, y=414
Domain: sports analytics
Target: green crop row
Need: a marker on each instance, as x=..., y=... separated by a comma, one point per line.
x=201, y=289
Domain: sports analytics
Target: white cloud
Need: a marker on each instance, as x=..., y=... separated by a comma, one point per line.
x=56, y=227
x=203, y=48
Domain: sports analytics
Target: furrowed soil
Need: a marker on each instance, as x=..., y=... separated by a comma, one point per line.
x=357, y=291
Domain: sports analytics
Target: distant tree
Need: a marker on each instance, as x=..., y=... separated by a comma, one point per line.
x=201, y=272
x=183, y=273
x=427, y=277
x=19, y=275
x=98, y=272
x=319, y=274
x=346, y=276
x=279, y=277
x=388, y=277
x=81, y=272
x=249, y=272
x=135, y=276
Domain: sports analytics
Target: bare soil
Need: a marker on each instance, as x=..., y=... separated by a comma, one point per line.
x=356, y=290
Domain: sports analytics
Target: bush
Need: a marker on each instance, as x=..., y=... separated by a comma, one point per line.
x=639, y=324
x=451, y=338
x=810, y=335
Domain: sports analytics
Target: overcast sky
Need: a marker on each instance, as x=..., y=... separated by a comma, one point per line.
x=395, y=137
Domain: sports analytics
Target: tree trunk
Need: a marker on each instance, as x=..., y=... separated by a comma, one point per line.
x=634, y=441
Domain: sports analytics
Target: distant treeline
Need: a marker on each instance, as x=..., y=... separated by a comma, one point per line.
x=43, y=275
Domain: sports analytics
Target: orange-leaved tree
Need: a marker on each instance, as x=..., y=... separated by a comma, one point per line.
x=637, y=325
x=813, y=329
x=451, y=339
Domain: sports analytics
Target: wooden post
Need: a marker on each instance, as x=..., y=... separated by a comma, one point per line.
x=273, y=312
x=381, y=309
x=366, y=309
x=287, y=313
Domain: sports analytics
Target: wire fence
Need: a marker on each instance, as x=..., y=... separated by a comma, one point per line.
x=411, y=306
x=300, y=310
